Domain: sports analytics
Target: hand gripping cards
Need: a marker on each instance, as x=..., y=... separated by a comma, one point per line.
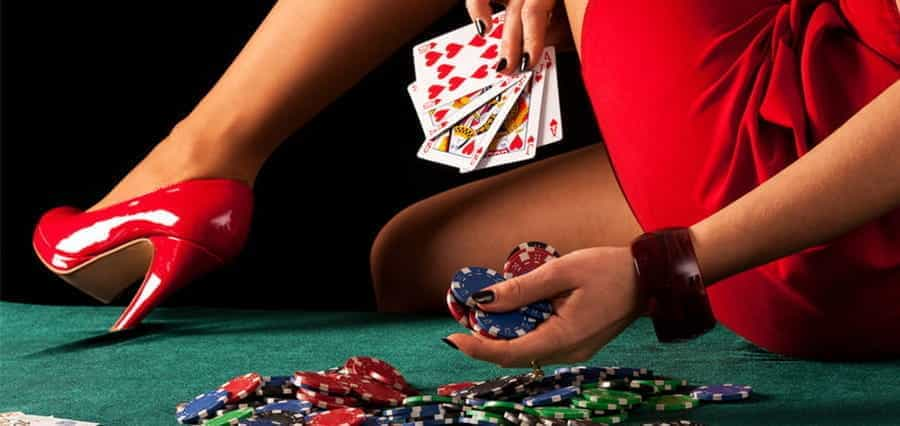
x=524, y=258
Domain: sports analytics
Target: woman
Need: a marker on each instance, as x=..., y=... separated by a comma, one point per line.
x=770, y=128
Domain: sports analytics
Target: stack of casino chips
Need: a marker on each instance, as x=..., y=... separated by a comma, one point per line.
x=367, y=391
x=500, y=325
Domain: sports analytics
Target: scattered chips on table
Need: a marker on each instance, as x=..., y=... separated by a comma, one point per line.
x=524, y=258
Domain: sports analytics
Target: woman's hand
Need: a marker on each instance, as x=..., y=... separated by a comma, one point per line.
x=530, y=25
x=594, y=296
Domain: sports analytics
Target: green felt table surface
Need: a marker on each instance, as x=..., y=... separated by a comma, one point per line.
x=57, y=360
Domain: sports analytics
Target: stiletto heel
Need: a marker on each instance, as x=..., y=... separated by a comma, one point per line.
x=169, y=236
x=175, y=263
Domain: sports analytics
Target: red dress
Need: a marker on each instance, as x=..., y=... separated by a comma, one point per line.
x=700, y=101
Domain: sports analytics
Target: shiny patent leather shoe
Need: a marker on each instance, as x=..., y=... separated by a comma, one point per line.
x=169, y=237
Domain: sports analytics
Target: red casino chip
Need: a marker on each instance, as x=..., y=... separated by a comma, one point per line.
x=379, y=394
x=240, y=387
x=378, y=370
x=325, y=401
x=459, y=311
x=451, y=389
x=323, y=382
x=339, y=417
x=526, y=258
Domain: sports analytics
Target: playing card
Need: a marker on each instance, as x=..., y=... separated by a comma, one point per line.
x=459, y=146
x=457, y=63
x=439, y=118
x=518, y=139
x=551, y=119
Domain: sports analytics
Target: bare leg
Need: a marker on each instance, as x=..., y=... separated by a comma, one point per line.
x=286, y=74
x=571, y=201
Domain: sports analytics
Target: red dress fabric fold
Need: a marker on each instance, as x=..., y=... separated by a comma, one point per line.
x=701, y=101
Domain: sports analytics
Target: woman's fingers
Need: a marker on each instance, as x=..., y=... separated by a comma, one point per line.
x=511, y=45
x=535, y=20
x=480, y=12
x=539, y=345
x=539, y=284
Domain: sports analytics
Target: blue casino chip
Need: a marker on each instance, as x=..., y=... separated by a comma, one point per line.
x=397, y=412
x=627, y=372
x=470, y=280
x=726, y=392
x=552, y=397
x=423, y=411
x=288, y=406
x=507, y=325
x=433, y=422
x=273, y=381
x=202, y=407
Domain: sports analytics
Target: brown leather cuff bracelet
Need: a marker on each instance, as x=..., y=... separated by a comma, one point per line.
x=669, y=276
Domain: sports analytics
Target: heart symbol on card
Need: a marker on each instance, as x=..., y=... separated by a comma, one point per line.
x=467, y=150
x=538, y=77
x=439, y=114
x=452, y=49
x=455, y=82
x=498, y=31
x=490, y=52
x=477, y=41
x=444, y=69
x=434, y=90
x=516, y=144
x=481, y=72
x=554, y=125
x=432, y=57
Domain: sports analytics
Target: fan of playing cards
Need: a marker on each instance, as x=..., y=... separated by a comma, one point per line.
x=475, y=117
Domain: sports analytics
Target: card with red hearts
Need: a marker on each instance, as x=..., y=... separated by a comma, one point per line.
x=456, y=63
x=518, y=139
x=464, y=144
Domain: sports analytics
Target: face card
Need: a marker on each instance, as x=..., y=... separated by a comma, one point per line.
x=497, y=117
x=458, y=145
x=457, y=63
x=518, y=139
x=439, y=118
x=551, y=120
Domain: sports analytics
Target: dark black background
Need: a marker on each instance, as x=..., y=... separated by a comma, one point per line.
x=88, y=88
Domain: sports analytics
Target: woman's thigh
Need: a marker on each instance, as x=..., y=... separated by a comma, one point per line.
x=571, y=201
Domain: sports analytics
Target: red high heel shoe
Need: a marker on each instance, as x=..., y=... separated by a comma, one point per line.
x=169, y=236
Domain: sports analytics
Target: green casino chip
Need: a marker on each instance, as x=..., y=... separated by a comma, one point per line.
x=676, y=402
x=412, y=401
x=501, y=406
x=230, y=417
x=663, y=383
x=563, y=413
x=611, y=419
x=486, y=416
x=618, y=397
x=596, y=403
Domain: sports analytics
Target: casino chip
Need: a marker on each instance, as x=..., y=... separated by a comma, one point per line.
x=458, y=311
x=470, y=280
x=726, y=392
x=552, y=397
x=321, y=382
x=663, y=383
x=427, y=399
x=526, y=258
x=451, y=389
x=339, y=417
x=201, y=407
x=288, y=406
x=618, y=397
x=240, y=387
x=378, y=393
x=675, y=402
x=506, y=325
x=378, y=370
x=323, y=400
x=230, y=418
x=280, y=418
x=563, y=413
x=627, y=372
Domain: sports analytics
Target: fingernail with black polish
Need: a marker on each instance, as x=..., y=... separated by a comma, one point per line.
x=449, y=343
x=479, y=26
x=484, y=296
x=525, y=58
x=501, y=65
